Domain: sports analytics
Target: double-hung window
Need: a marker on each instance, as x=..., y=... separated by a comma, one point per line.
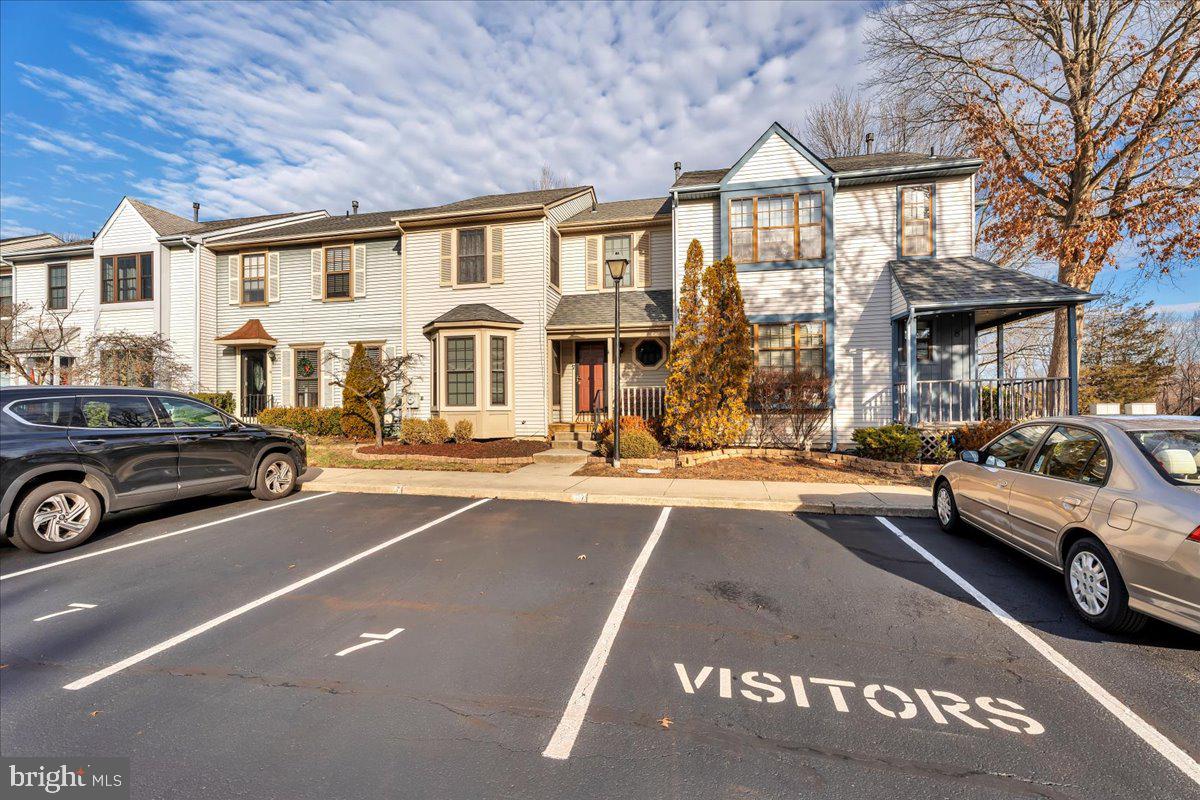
x=916, y=221
x=791, y=347
x=498, y=351
x=460, y=371
x=308, y=378
x=254, y=278
x=555, y=254
x=337, y=272
x=6, y=295
x=127, y=278
x=777, y=228
x=56, y=287
x=472, y=258
x=617, y=247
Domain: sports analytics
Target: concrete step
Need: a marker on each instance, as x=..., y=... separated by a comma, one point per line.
x=572, y=436
x=560, y=455
x=574, y=444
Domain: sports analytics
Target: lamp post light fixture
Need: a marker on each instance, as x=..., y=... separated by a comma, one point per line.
x=616, y=271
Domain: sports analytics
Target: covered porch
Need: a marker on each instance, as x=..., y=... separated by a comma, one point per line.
x=582, y=367
x=940, y=307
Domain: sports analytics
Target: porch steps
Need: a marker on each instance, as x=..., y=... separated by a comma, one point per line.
x=561, y=456
x=573, y=440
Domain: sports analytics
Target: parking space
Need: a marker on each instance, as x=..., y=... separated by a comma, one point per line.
x=362, y=645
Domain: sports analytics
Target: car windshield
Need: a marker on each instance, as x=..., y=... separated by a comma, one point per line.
x=1175, y=453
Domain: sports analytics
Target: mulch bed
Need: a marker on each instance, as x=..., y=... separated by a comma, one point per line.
x=495, y=448
x=761, y=469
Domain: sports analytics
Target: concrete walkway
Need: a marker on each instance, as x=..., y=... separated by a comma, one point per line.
x=552, y=482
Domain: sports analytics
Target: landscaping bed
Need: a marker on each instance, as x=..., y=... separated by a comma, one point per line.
x=495, y=448
x=742, y=468
x=343, y=455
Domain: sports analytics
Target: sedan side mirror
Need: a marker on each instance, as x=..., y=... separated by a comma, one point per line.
x=969, y=456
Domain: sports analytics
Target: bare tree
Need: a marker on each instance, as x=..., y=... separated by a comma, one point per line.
x=121, y=358
x=387, y=376
x=806, y=408
x=549, y=179
x=839, y=127
x=34, y=341
x=1180, y=392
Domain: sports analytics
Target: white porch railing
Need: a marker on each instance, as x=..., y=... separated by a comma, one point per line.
x=941, y=402
x=643, y=401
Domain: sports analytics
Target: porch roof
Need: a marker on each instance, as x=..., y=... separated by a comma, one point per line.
x=252, y=332
x=972, y=284
x=639, y=309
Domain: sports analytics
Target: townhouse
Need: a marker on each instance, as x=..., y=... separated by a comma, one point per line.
x=861, y=269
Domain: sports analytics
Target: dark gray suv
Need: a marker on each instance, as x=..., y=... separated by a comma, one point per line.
x=70, y=454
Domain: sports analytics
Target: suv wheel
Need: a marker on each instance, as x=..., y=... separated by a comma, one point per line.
x=1096, y=591
x=56, y=516
x=276, y=477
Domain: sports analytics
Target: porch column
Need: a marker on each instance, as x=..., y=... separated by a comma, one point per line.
x=1072, y=361
x=911, y=367
x=999, y=353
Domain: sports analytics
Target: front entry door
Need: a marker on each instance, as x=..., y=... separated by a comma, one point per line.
x=254, y=382
x=591, y=359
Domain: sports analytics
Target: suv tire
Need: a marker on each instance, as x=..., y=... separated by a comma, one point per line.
x=1096, y=591
x=276, y=477
x=55, y=516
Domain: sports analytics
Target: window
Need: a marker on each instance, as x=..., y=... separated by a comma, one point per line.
x=127, y=278
x=555, y=252
x=1068, y=454
x=616, y=247
x=374, y=354
x=117, y=412
x=556, y=373
x=58, y=411
x=472, y=260
x=6, y=294
x=649, y=353
x=798, y=346
x=924, y=342
x=777, y=228
x=56, y=287
x=1174, y=453
x=499, y=369
x=337, y=272
x=308, y=379
x=1011, y=449
x=460, y=371
x=254, y=278
x=916, y=221
x=190, y=414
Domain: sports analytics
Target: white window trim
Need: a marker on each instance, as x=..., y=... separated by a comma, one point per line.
x=509, y=384
x=444, y=371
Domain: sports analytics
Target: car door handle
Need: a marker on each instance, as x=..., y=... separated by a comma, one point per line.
x=90, y=442
x=1001, y=484
x=188, y=437
x=1071, y=502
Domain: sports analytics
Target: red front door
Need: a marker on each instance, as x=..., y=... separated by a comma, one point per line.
x=590, y=396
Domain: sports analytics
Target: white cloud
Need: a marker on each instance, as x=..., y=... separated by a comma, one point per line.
x=63, y=143
x=310, y=106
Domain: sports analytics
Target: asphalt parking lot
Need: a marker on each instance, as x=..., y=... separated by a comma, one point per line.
x=347, y=646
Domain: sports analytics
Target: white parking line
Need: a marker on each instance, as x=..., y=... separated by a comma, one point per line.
x=136, y=658
x=375, y=638
x=147, y=540
x=572, y=719
x=1148, y=733
x=74, y=607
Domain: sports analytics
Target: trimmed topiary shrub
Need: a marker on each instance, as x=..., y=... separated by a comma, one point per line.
x=221, y=400
x=414, y=431
x=464, y=431
x=635, y=443
x=889, y=443
x=308, y=421
x=439, y=431
x=361, y=388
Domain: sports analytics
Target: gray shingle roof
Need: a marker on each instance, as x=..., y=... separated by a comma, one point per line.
x=973, y=282
x=383, y=220
x=706, y=177
x=475, y=312
x=165, y=223
x=589, y=310
x=622, y=210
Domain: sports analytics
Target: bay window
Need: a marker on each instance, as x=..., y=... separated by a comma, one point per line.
x=460, y=371
x=498, y=352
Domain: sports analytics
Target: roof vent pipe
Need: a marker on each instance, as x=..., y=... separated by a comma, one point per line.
x=870, y=143
x=354, y=205
x=195, y=212
x=678, y=169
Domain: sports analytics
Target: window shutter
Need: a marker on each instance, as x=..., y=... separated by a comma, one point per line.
x=343, y=368
x=496, y=254
x=326, y=371
x=235, y=279
x=273, y=277
x=360, y=270
x=644, y=275
x=317, y=270
x=285, y=377
x=592, y=263
x=447, y=257
x=389, y=353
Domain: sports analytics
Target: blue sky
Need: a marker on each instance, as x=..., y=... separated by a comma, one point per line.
x=266, y=107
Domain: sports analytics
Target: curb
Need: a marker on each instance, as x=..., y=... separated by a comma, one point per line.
x=815, y=507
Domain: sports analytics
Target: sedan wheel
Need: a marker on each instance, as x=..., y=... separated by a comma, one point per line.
x=1089, y=583
x=1096, y=589
x=945, y=507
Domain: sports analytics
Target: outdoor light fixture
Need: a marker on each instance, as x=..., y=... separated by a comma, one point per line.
x=616, y=271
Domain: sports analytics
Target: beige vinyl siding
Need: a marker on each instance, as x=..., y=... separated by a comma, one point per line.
x=955, y=218
x=697, y=219
x=299, y=320
x=899, y=305
x=32, y=243
x=865, y=220
x=775, y=160
x=783, y=291
x=521, y=295
x=564, y=211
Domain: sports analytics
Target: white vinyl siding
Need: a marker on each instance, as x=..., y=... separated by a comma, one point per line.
x=127, y=232
x=775, y=160
x=522, y=295
x=899, y=305
x=954, y=218
x=574, y=267
x=180, y=297
x=783, y=291
x=700, y=220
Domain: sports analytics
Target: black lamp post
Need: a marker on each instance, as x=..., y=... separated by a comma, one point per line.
x=616, y=270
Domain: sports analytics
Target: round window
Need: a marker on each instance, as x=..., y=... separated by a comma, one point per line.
x=649, y=352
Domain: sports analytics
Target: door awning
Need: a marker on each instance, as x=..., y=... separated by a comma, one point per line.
x=251, y=333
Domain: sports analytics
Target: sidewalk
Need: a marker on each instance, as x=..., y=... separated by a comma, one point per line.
x=547, y=482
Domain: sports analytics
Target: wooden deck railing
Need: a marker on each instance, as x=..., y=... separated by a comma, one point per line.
x=975, y=400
